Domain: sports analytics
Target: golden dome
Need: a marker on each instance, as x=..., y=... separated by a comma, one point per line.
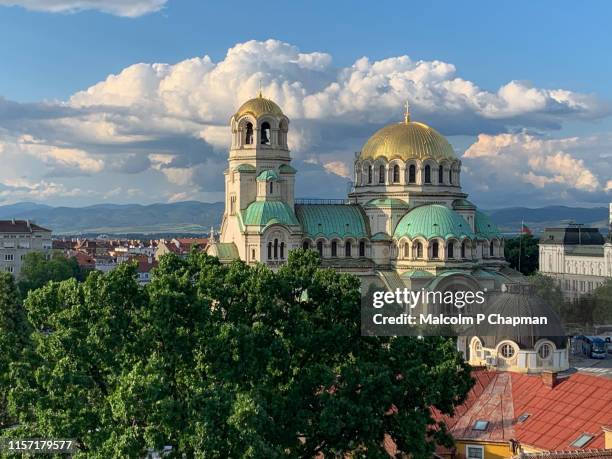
x=407, y=140
x=259, y=106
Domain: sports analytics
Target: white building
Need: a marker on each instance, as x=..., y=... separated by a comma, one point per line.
x=17, y=239
x=579, y=259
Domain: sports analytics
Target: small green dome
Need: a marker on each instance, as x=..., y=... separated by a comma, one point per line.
x=485, y=228
x=433, y=220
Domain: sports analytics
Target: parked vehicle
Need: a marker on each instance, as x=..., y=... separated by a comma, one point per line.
x=593, y=347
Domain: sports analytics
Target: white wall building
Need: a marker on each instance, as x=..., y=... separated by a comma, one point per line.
x=17, y=239
x=579, y=259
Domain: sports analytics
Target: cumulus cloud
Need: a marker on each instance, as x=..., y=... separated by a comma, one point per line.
x=539, y=169
x=171, y=120
x=130, y=8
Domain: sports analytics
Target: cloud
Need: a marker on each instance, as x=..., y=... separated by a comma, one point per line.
x=169, y=122
x=538, y=169
x=129, y=8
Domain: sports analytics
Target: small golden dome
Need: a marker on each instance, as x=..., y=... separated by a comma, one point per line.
x=407, y=140
x=259, y=106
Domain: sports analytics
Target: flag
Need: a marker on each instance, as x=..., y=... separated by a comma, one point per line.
x=525, y=229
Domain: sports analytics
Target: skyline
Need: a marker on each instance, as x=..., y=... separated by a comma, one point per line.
x=530, y=131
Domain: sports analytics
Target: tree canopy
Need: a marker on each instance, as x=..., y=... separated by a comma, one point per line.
x=222, y=361
x=527, y=246
x=37, y=270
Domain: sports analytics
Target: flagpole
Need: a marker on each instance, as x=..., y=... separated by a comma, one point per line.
x=520, y=243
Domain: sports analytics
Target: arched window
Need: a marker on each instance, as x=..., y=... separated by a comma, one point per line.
x=271, y=187
x=507, y=351
x=406, y=250
x=334, y=249
x=396, y=174
x=544, y=351
x=252, y=254
x=305, y=245
x=418, y=250
x=276, y=249
x=282, y=250
x=362, y=248
x=381, y=174
x=491, y=249
x=265, y=133
x=440, y=175
x=463, y=250
x=347, y=249
x=320, y=248
x=249, y=134
x=412, y=174
x=369, y=174
x=451, y=250
x=434, y=250
x=427, y=174
x=450, y=176
x=269, y=250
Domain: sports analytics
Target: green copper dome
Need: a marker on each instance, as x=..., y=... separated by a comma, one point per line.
x=263, y=213
x=433, y=220
x=485, y=228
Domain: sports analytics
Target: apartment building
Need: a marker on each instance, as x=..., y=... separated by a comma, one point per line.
x=18, y=238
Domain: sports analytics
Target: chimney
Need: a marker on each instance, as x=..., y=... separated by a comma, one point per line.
x=549, y=378
x=607, y=436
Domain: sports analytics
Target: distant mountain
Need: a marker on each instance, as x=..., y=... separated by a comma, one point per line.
x=192, y=217
x=509, y=219
x=180, y=217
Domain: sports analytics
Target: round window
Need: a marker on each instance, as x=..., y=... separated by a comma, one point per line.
x=507, y=351
x=544, y=351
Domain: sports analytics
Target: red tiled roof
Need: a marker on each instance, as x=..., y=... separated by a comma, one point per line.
x=585, y=454
x=578, y=404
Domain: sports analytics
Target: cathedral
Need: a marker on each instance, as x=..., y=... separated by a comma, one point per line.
x=406, y=223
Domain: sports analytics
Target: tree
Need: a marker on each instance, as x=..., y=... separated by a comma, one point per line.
x=603, y=303
x=14, y=339
x=547, y=289
x=527, y=245
x=229, y=361
x=37, y=270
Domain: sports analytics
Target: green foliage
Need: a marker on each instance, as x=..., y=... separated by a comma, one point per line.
x=37, y=270
x=584, y=311
x=602, y=313
x=228, y=361
x=527, y=246
x=14, y=338
x=547, y=289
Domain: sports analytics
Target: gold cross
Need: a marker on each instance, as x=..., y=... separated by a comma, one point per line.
x=407, y=112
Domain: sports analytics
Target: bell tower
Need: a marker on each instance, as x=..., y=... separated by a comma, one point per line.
x=259, y=162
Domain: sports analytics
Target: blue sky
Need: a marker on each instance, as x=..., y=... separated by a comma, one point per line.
x=68, y=145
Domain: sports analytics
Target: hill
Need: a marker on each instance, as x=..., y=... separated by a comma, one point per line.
x=192, y=217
